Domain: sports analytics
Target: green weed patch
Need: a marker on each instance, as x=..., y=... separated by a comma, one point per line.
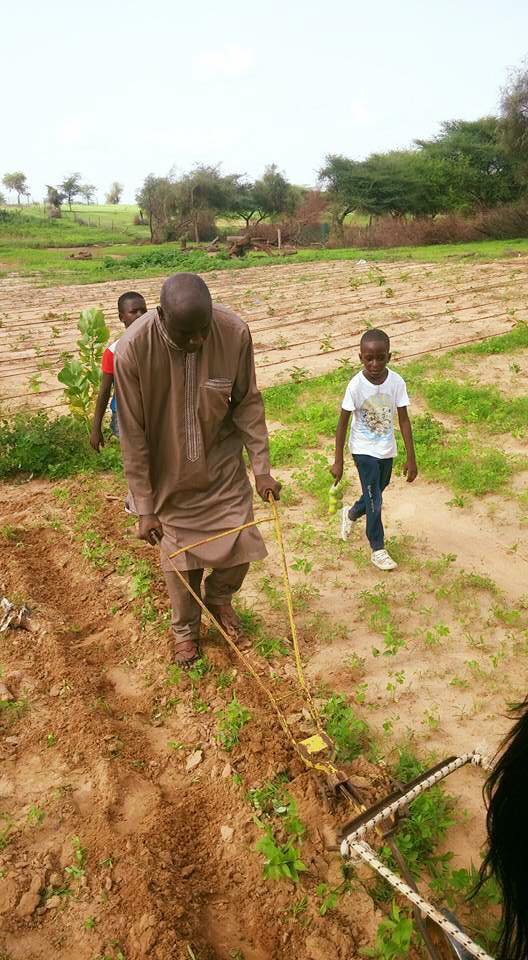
x=36, y=444
x=482, y=405
x=457, y=461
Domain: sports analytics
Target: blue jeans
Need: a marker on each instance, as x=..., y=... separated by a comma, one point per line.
x=114, y=426
x=374, y=476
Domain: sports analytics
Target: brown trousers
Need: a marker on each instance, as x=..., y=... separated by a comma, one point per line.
x=220, y=586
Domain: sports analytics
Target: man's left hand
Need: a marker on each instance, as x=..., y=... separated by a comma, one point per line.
x=266, y=484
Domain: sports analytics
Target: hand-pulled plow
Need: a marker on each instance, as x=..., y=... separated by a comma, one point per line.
x=442, y=938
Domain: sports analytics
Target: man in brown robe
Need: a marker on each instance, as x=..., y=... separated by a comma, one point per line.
x=188, y=404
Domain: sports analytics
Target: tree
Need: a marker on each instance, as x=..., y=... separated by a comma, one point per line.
x=480, y=170
x=244, y=202
x=3, y=200
x=17, y=182
x=114, y=194
x=514, y=124
x=54, y=197
x=158, y=197
x=273, y=194
x=345, y=184
x=87, y=190
x=204, y=192
x=71, y=186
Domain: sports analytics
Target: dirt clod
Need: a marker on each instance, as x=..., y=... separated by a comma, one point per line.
x=27, y=904
x=194, y=759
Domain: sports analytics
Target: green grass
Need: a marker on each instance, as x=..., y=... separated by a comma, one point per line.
x=459, y=462
x=472, y=404
x=35, y=444
x=31, y=244
x=31, y=227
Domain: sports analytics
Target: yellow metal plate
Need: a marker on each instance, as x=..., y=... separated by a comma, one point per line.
x=314, y=744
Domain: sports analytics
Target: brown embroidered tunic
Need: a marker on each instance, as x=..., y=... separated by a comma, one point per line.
x=184, y=419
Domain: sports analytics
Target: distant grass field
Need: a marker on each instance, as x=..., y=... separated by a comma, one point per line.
x=32, y=245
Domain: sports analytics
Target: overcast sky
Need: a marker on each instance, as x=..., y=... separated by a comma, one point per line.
x=117, y=89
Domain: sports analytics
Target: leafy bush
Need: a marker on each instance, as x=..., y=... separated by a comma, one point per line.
x=34, y=444
x=82, y=377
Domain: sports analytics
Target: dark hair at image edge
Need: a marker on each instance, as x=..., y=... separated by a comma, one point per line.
x=375, y=336
x=506, y=794
x=131, y=295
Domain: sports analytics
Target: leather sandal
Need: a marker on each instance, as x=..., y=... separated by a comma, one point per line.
x=230, y=622
x=182, y=646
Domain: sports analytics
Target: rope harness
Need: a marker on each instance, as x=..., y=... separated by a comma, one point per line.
x=352, y=845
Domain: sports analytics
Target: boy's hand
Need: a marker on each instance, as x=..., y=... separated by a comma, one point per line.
x=97, y=439
x=410, y=470
x=337, y=470
x=148, y=524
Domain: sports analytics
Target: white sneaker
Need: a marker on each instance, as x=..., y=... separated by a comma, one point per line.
x=346, y=523
x=382, y=560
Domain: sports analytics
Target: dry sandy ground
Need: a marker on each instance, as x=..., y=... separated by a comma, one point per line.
x=98, y=683
x=160, y=880
x=307, y=316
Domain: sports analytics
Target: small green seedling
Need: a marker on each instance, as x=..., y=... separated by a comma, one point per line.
x=299, y=906
x=435, y=635
x=231, y=720
x=77, y=869
x=393, y=938
x=281, y=861
x=35, y=815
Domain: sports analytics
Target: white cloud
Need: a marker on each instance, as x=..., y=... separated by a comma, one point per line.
x=231, y=61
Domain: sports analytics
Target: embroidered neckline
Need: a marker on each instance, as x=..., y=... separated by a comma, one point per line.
x=193, y=440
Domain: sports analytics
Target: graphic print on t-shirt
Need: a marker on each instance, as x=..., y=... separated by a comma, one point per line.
x=375, y=417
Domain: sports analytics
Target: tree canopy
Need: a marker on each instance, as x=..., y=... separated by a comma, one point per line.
x=114, y=194
x=71, y=187
x=17, y=182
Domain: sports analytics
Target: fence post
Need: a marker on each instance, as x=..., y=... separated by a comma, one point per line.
x=279, y=237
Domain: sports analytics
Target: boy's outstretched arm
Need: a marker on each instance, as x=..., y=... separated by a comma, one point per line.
x=410, y=470
x=341, y=431
x=103, y=397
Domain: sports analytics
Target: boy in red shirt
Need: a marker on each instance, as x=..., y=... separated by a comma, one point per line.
x=130, y=306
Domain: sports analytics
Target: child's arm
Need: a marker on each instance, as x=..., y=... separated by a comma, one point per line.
x=103, y=397
x=410, y=470
x=342, y=425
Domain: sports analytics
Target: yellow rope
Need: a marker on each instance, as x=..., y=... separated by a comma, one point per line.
x=218, y=536
x=289, y=602
x=326, y=767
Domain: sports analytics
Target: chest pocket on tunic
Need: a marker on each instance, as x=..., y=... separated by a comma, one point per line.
x=215, y=404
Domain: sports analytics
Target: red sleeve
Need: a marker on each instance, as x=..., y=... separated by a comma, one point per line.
x=107, y=362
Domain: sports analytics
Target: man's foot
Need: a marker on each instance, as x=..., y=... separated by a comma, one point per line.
x=185, y=652
x=346, y=523
x=230, y=622
x=382, y=560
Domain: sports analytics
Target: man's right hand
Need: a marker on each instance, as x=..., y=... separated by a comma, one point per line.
x=149, y=524
x=97, y=439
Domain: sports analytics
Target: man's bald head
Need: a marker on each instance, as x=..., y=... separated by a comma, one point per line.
x=186, y=310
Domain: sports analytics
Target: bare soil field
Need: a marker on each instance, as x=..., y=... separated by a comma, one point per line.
x=128, y=828
x=303, y=318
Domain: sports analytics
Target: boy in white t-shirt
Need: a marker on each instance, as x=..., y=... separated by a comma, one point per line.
x=373, y=396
